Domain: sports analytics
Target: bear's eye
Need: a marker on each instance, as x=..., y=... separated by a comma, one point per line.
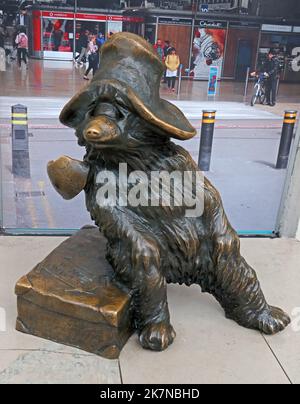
x=107, y=110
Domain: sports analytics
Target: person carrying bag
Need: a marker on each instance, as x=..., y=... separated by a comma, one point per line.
x=22, y=44
x=172, y=63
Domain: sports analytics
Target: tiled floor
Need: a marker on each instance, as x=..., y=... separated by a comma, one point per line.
x=208, y=348
x=62, y=79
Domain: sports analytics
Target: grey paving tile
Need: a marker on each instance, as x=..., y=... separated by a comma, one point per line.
x=45, y=367
x=277, y=262
x=209, y=349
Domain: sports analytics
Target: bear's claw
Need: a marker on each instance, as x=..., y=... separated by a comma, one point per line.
x=157, y=337
x=273, y=320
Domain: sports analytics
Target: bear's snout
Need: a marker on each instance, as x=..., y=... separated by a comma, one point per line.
x=101, y=130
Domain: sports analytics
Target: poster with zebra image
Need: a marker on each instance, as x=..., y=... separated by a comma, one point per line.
x=208, y=51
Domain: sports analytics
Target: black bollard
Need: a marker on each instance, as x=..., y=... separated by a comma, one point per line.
x=20, y=141
x=286, y=139
x=206, y=143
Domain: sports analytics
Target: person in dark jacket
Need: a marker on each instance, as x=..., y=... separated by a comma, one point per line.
x=272, y=71
x=167, y=50
x=83, y=47
x=2, y=37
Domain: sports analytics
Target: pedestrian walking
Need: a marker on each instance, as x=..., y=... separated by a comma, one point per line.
x=167, y=50
x=100, y=41
x=2, y=50
x=93, y=58
x=83, y=42
x=272, y=71
x=57, y=35
x=13, y=45
x=172, y=64
x=159, y=49
x=2, y=37
x=22, y=46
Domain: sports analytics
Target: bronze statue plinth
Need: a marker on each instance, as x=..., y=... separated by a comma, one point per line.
x=71, y=298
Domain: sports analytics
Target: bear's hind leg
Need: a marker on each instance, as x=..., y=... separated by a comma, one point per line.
x=238, y=290
x=228, y=276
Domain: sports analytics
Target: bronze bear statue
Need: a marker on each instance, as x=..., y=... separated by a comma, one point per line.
x=121, y=119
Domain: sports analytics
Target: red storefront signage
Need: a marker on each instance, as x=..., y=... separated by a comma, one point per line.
x=117, y=18
x=91, y=17
x=54, y=14
x=133, y=19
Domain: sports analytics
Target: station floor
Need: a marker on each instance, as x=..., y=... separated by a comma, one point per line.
x=63, y=79
x=209, y=349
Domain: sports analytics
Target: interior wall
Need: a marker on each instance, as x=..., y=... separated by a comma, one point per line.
x=180, y=38
x=234, y=36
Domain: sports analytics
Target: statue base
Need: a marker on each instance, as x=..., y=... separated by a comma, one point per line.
x=72, y=298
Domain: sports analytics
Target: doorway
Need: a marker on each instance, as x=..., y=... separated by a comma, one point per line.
x=244, y=59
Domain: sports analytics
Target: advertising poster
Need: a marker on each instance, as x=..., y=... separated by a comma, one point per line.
x=208, y=51
x=213, y=80
x=113, y=27
x=58, y=35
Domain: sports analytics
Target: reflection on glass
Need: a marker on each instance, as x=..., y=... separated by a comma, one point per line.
x=57, y=35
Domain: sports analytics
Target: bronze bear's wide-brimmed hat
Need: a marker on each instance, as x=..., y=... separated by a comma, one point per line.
x=130, y=74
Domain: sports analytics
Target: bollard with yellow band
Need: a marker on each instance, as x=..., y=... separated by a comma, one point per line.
x=20, y=141
x=290, y=118
x=206, y=143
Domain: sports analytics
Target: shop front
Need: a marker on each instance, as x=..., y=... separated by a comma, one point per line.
x=232, y=44
x=54, y=34
x=241, y=50
x=179, y=32
x=286, y=39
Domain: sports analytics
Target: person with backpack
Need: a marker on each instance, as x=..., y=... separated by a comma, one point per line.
x=22, y=46
x=93, y=57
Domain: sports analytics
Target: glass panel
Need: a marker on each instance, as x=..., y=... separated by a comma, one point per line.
x=28, y=199
x=90, y=27
x=150, y=32
x=58, y=35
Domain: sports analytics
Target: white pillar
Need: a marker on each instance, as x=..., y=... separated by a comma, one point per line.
x=289, y=215
x=2, y=60
x=298, y=232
